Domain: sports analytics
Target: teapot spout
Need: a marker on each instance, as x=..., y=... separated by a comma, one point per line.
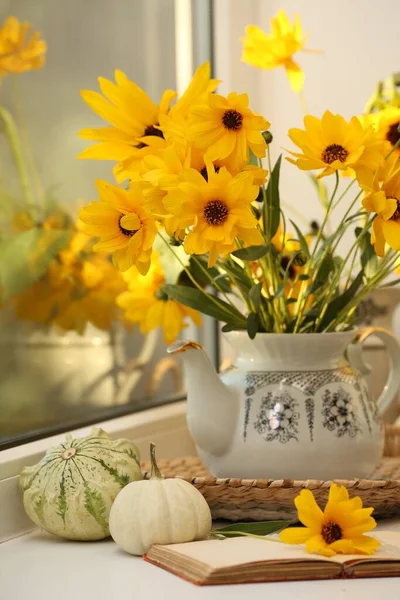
x=211, y=406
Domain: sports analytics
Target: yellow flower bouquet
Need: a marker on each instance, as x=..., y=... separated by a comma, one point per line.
x=190, y=173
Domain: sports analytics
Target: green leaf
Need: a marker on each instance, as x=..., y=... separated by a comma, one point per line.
x=272, y=206
x=291, y=300
x=214, y=278
x=252, y=325
x=340, y=302
x=325, y=268
x=252, y=252
x=257, y=528
x=302, y=240
x=26, y=257
x=368, y=257
x=211, y=306
x=255, y=295
x=303, y=277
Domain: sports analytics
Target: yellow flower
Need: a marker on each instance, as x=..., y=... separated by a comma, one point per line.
x=333, y=144
x=270, y=51
x=339, y=529
x=388, y=123
x=163, y=168
x=146, y=304
x=18, y=52
x=383, y=198
x=226, y=128
x=136, y=121
x=174, y=123
x=217, y=211
x=123, y=224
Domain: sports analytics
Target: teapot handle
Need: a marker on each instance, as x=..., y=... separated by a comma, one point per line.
x=354, y=353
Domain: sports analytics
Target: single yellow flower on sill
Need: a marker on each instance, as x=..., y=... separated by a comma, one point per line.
x=339, y=529
x=146, y=305
x=226, y=128
x=123, y=224
x=18, y=52
x=216, y=211
x=270, y=51
x=333, y=144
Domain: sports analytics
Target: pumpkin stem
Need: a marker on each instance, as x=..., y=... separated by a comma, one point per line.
x=155, y=471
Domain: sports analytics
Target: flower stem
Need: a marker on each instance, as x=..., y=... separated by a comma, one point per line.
x=12, y=134
x=25, y=140
x=155, y=471
x=188, y=273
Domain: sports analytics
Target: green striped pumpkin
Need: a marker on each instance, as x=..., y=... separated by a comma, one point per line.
x=70, y=491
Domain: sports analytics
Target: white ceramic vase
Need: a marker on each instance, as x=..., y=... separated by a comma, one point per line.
x=292, y=406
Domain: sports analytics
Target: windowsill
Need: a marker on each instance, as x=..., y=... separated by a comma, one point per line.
x=56, y=568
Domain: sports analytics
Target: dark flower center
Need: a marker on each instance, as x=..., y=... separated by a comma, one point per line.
x=232, y=119
x=334, y=152
x=150, y=130
x=393, y=134
x=215, y=212
x=331, y=532
x=396, y=215
x=126, y=232
x=285, y=260
x=205, y=174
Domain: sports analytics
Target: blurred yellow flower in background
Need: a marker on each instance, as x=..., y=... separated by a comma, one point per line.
x=80, y=287
x=388, y=123
x=226, y=128
x=19, y=52
x=146, y=303
x=276, y=49
x=332, y=144
x=123, y=224
x=217, y=211
x=339, y=529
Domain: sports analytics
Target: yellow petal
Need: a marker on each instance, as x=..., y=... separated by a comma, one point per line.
x=130, y=222
x=391, y=232
x=295, y=535
x=375, y=202
x=308, y=510
x=317, y=545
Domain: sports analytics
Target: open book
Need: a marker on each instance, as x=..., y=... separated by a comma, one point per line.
x=246, y=560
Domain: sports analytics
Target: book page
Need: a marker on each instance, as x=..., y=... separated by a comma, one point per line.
x=218, y=554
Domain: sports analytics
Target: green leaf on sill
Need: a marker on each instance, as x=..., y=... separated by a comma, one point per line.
x=257, y=528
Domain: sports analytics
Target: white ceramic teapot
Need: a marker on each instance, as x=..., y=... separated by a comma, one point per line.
x=292, y=406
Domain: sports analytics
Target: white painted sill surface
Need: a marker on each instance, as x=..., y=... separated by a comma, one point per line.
x=39, y=566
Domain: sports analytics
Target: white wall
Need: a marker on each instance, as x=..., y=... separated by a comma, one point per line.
x=360, y=40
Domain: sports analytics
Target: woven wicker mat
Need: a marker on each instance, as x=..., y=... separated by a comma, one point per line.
x=266, y=499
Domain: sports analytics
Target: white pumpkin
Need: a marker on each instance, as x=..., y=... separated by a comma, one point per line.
x=70, y=491
x=158, y=511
